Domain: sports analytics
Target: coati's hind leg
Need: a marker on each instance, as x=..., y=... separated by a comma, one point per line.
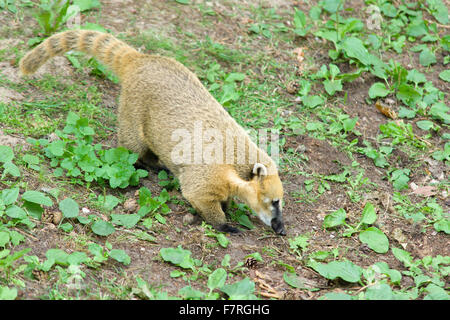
x=150, y=160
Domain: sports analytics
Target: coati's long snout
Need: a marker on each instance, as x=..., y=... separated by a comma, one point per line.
x=161, y=98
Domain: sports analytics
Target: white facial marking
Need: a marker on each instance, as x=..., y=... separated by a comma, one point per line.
x=265, y=218
x=266, y=200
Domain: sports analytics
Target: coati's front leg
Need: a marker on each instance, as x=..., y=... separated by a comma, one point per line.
x=211, y=211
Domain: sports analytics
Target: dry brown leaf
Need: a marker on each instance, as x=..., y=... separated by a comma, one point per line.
x=300, y=56
x=385, y=110
x=425, y=191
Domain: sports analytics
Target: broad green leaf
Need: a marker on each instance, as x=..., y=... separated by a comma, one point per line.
x=293, y=280
x=425, y=124
x=369, y=215
x=120, y=255
x=37, y=197
x=77, y=258
x=87, y=4
x=6, y=154
x=4, y=238
x=345, y=270
x=69, y=208
x=416, y=76
x=16, y=212
x=102, y=228
x=427, y=57
x=379, y=291
x=334, y=219
x=58, y=256
x=178, y=256
x=445, y=75
x=312, y=101
x=217, y=279
x=126, y=220
x=109, y=202
x=408, y=95
x=241, y=290
x=375, y=239
x=11, y=169
x=378, y=89
x=9, y=196
x=7, y=293
x=57, y=147
x=189, y=293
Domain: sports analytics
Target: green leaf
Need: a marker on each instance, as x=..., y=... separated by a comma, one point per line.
x=349, y=124
x=7, y=293
x=416, y=76
x=379, y=291
x=109, y=202
x=6, y=154
x=16, y=212
x=331, y=86
x=378, y=89
x=427, y=57
x=77, y=258
x=57, y=148
x=400, y=179
x=334, y=219
x=439, y=10
x=425, y=124
x=241, y=290
x=69, y=208
x=293, y=280
x=4, y=238
x=87, y=4
x=312, y=101
x=37, y=197
x=217, y=279
x=102, y=228
x=375, y=239
x=445, y=75
x=436, y=293
x=126, y=220
x=301, y=27
x=235, y=76
x=369, y=215
x=345, y=270
x=332, y=6
x=403, y=256
x=183, y=1
x=58, y=256
x=11, y=168
x=222, y=240
x=9, y=196
x=120, y=255
x=440, y=111
x=408, y=95
x=188, y=293
x=178, y=256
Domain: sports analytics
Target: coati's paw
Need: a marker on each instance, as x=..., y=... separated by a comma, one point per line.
x=227, y=228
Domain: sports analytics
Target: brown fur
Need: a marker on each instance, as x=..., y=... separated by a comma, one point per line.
x=158, y=96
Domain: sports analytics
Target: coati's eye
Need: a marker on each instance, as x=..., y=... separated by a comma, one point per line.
x=276, y=202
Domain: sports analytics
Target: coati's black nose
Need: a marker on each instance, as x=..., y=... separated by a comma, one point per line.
x=278, y=226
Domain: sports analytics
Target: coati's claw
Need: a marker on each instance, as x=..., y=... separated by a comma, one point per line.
x=228, y=229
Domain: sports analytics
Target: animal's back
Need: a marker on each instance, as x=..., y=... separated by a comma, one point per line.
x=163, y=96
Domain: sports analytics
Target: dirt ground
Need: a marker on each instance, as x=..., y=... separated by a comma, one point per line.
x=129, y=18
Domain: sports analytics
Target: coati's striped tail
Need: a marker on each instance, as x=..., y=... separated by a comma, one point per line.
x=114, y=53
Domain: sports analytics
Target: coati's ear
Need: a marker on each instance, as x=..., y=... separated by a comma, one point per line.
x=259, y=170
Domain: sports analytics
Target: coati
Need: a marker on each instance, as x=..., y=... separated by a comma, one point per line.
x=162, y=100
